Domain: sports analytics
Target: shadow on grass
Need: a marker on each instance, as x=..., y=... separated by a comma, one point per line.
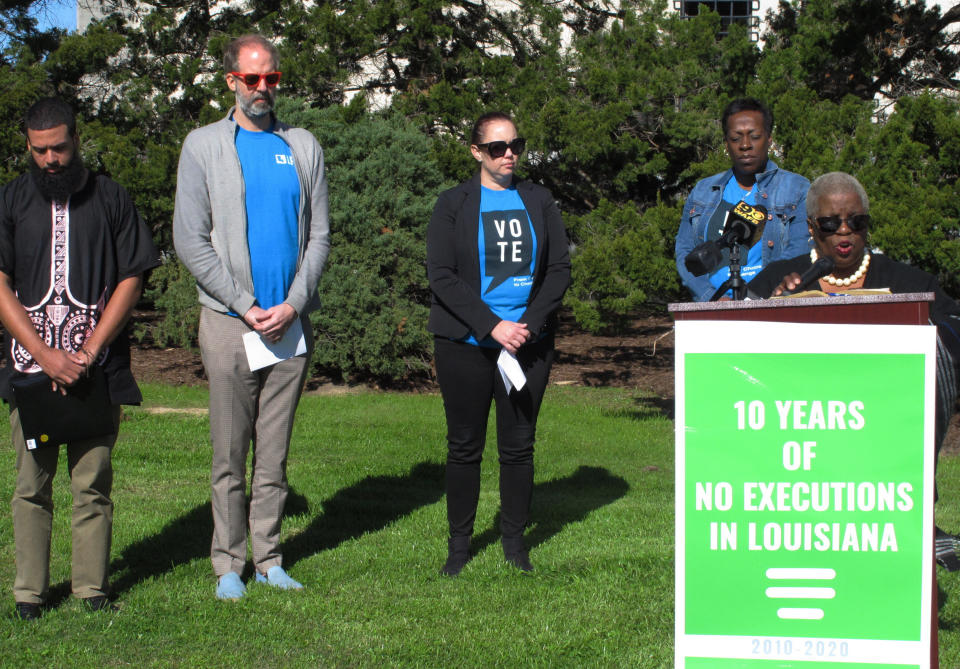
x=560, y=502
x=653, y=406
x=181, y=541
x=367, y=506
x=645, y=408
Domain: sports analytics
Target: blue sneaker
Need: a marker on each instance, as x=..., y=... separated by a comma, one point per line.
x=278, y=578
x=229, y=586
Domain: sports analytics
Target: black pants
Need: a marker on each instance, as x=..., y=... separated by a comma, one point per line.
x=469, y=380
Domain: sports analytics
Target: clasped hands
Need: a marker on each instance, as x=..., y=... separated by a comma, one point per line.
x=65, y=368
x=511, y=335
x=271, y=323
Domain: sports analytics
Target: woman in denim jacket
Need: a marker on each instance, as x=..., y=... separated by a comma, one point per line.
x=756, y=180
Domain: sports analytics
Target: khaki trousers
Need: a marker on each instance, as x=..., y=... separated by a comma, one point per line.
x=247, y=408
x=91, y=478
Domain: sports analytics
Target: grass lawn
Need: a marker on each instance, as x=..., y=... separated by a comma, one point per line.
x=365, y=532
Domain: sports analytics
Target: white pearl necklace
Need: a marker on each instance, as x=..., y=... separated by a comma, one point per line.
x=853, y=278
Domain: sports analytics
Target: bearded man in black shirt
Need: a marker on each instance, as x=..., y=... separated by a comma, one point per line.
x=73, y=254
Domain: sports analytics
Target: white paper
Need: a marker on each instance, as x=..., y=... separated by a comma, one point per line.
x=261, y=353
x=509, y=366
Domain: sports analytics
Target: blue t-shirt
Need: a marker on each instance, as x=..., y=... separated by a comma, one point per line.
x=507, y=246
x=751, y=261
x=272, y=198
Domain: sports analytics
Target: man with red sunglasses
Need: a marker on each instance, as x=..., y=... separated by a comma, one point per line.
x=250, y=223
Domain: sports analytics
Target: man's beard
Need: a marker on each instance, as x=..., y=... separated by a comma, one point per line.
x=249, y=109
x=59, y=186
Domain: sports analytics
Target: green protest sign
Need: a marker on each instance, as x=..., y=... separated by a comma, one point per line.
x=804, y=494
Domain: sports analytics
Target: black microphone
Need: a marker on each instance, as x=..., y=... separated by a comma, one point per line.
x=704, y=258
x=817, y=270
x=744, y=225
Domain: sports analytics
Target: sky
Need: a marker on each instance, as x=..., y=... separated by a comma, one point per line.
x=59, y=13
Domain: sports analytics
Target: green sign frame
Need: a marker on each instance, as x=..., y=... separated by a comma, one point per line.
x=804, y=494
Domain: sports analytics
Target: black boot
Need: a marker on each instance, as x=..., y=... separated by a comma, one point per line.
x=458, y=555
x=516, y=490
x=515, y=553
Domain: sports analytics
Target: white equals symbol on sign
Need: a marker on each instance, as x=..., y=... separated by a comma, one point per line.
x=801, y=591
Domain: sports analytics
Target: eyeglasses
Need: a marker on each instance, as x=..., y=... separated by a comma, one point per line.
x=499, y=149
x=830, y=224
x=253, y=80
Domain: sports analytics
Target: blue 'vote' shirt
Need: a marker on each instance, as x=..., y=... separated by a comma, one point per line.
x=272, y=199
x=507, y=246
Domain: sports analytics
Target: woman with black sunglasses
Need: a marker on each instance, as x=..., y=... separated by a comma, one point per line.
x=839, y=221
x=498, y=266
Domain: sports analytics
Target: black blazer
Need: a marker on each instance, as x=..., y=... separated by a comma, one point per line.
x=884, y=272
x=453, y=266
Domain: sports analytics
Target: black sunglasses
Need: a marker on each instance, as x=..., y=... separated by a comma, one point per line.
x=499, y=149
x=830, y=224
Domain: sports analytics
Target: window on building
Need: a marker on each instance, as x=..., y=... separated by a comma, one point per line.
x=730, y=11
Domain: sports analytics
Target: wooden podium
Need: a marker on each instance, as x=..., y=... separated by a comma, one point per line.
x=902, y=309
x=899, y=309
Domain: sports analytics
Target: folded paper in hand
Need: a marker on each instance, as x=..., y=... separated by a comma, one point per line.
x=261, y=353
x=510, y=370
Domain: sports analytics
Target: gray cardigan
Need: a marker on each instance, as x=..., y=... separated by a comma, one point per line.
x=210, y=221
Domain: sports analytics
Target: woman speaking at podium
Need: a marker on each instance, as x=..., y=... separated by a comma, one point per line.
x=839, y=219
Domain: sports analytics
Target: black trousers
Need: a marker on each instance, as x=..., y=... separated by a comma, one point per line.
x=469, y=380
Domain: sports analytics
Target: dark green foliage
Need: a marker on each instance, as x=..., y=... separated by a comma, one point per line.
x=913, y=187
x=624, y=261
x=641, y=107
x=22, y=82
x=863, y=47
x=383, y=184
x=138, y=160
x=173, y=292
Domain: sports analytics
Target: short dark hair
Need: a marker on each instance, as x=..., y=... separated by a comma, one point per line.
x=748, y=104
x=232, y=52
x=477, y=133
x=48, y=113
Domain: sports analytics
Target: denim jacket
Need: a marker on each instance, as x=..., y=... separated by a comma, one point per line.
x=785, y=235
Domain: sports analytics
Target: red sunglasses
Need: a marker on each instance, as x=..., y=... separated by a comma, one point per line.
x=253, y=80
